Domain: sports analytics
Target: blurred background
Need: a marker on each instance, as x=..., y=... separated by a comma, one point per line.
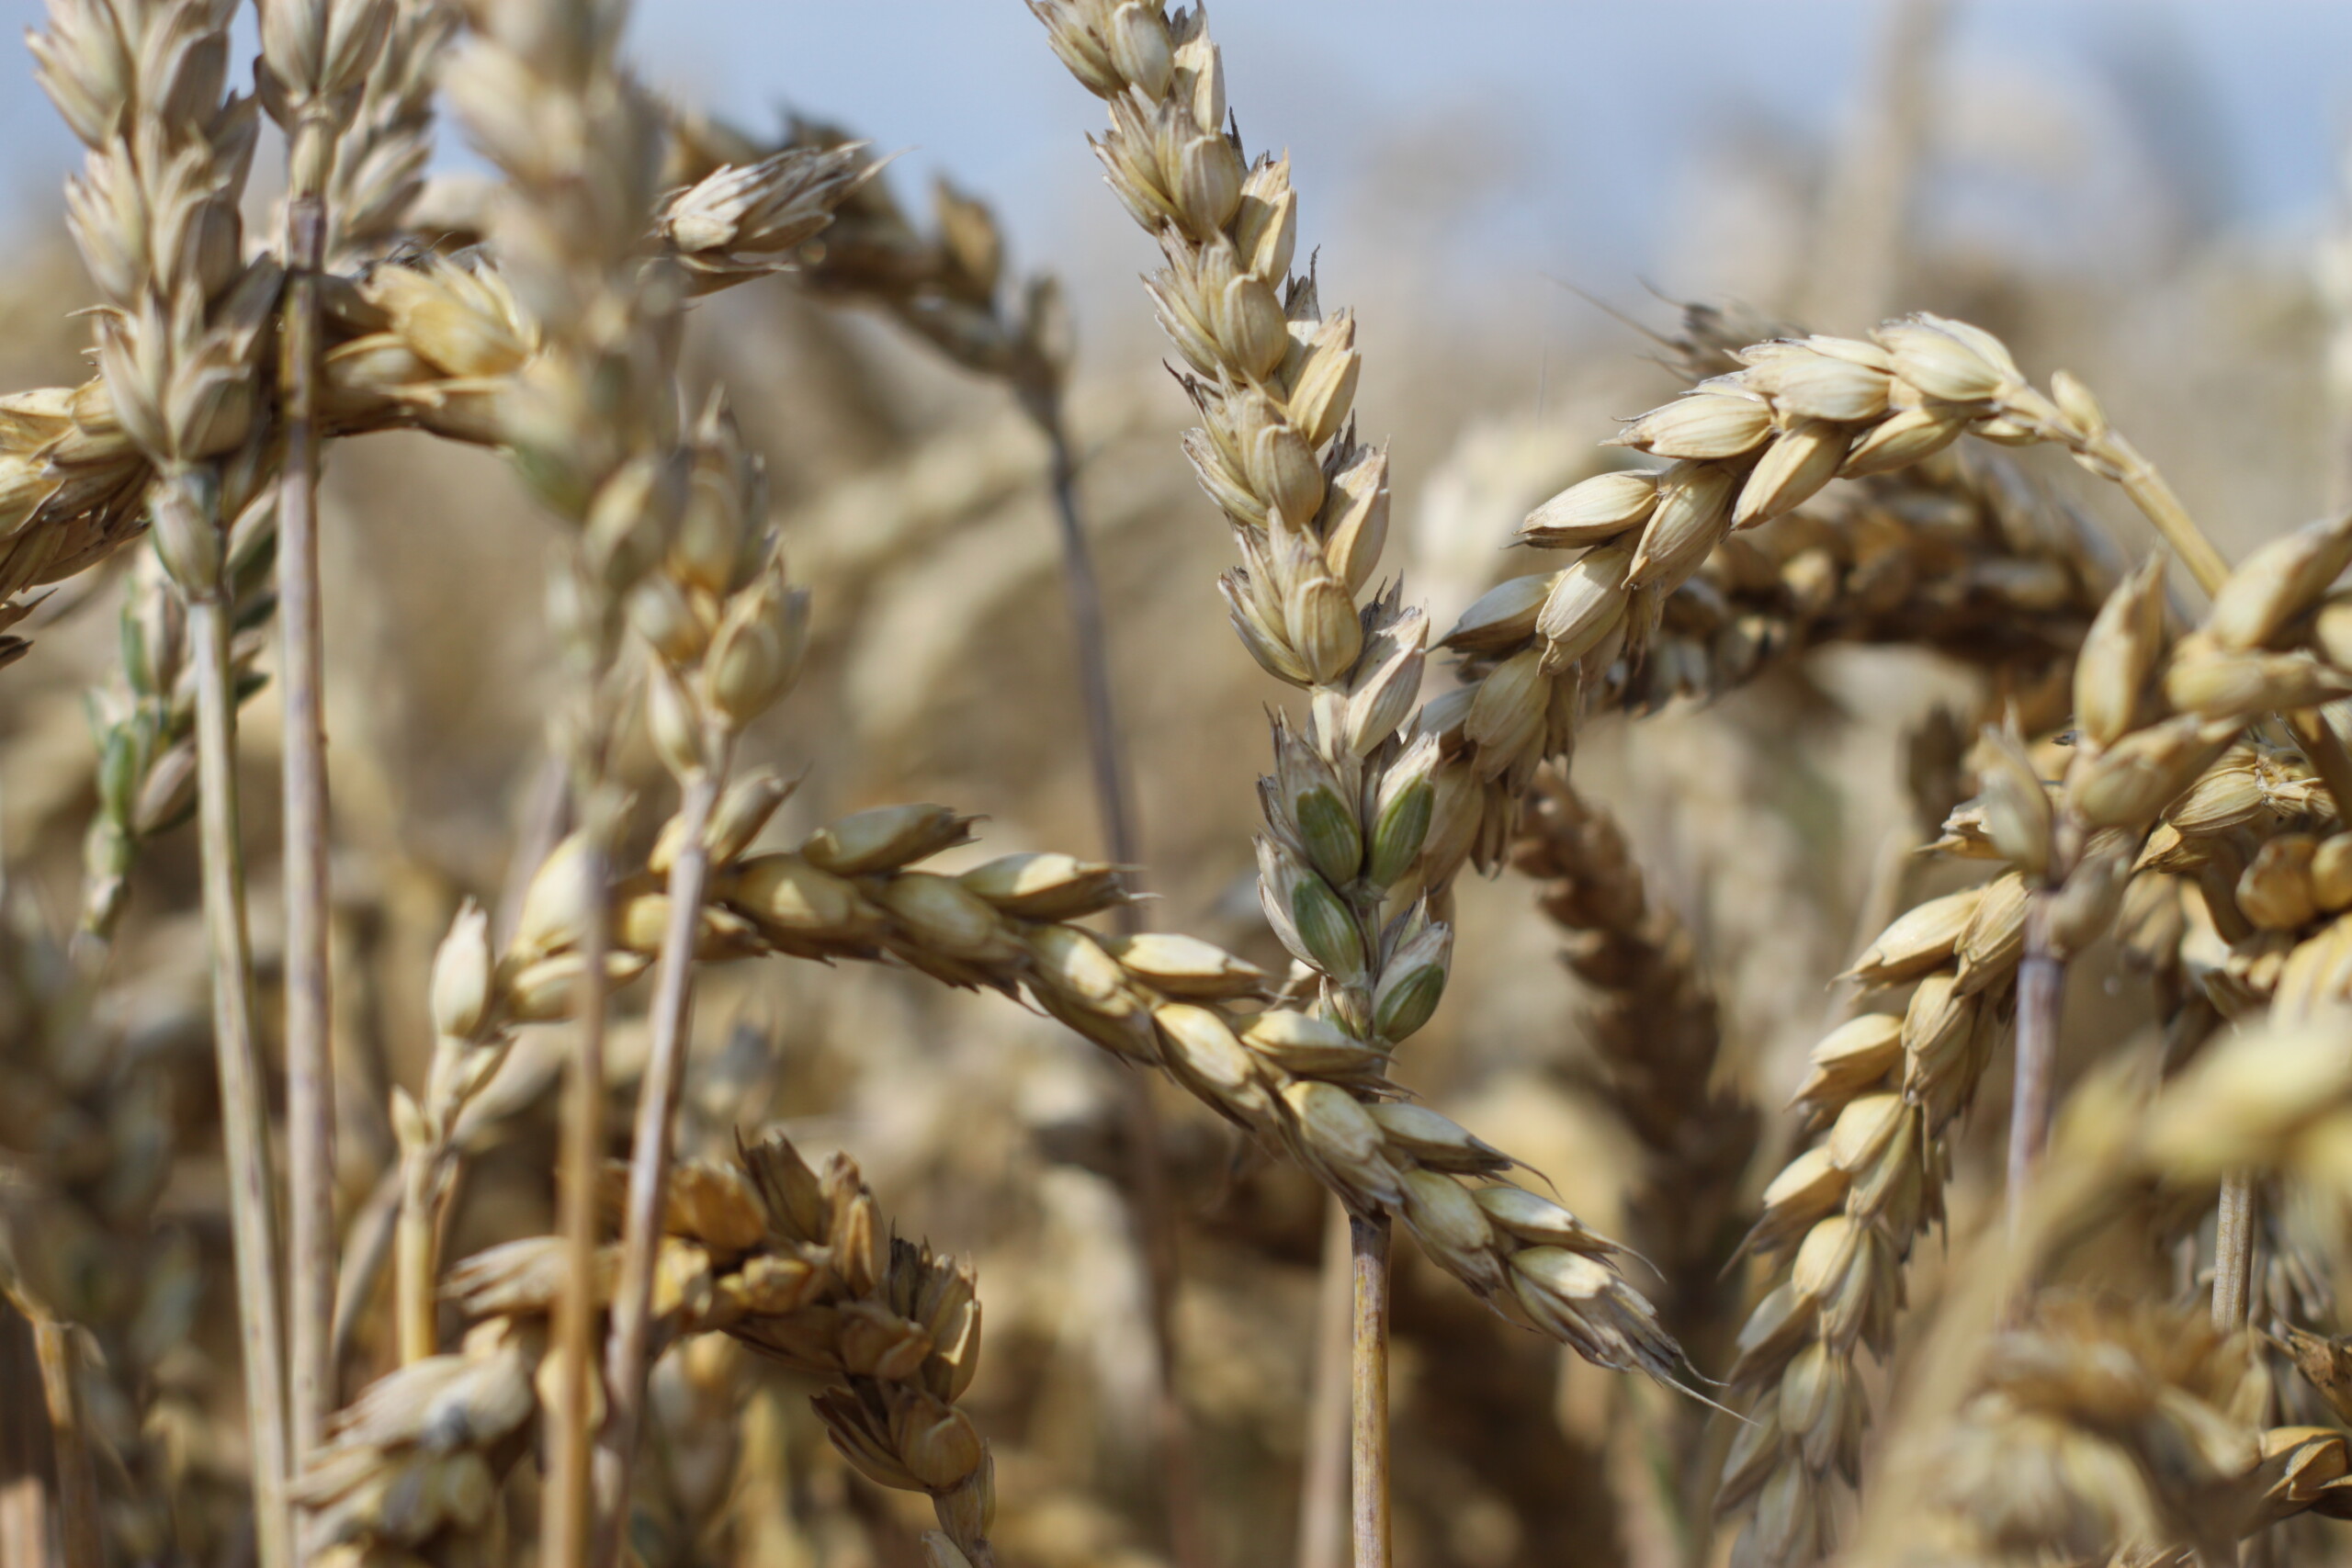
x=2150, y=196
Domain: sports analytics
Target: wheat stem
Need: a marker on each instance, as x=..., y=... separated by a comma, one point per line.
x=1105, y=747
x=244, y=1117
x=2234, y=1227
x=1368, y=1246
x=626, y=1349
x=309, y=1060
x=1323, y=1488
x=77, y=1482
x=416, y=1258
x=568, y=1530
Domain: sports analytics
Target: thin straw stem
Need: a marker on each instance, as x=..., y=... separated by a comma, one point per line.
x=1323, y=1488
x=23, y=1467
x=77, y=1482
x=1368, y=1243
x=244, y=1116
x=1113, y=791
x=649, y=1156
x=2234, y=1228
x=570, y=1491
x=416, y=1258
x=1149, y=1208
x=310, y=1061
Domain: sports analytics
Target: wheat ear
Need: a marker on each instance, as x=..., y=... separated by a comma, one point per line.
x=947, y=287
x=2272, y=1098
x=1657, y=1032
x=2154, y=715
x=592, y=425
x=1274, y=382
x=2103, y=1429
x=799, y=1265
x=1744, y=447
x=727, y=640
x=154, y=213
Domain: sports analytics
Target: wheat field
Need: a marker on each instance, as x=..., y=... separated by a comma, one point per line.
x=626, y=810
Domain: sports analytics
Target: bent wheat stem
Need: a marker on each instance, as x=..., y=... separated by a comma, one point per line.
x=655, y=1140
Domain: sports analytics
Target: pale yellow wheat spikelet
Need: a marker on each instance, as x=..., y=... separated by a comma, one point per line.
x=1744, y=447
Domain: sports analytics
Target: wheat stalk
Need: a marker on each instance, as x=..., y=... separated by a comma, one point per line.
x=316, y=56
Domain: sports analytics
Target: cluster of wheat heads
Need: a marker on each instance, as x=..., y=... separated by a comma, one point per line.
x=2163, y=777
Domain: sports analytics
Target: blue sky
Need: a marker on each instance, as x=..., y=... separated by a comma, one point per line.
x=1617, y=93
x=1602, y=103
